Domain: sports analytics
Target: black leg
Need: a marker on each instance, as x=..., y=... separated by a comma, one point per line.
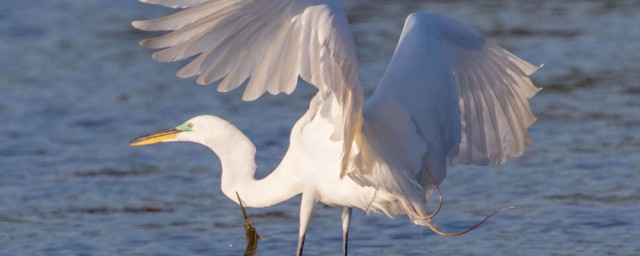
x=300, y=245
x=346, y=218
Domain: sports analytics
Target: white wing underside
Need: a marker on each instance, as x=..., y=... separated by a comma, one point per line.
x=446, y=94
x=267, y=46
x=176, y=3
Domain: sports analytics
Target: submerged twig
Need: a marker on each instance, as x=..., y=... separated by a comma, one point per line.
x=430, y=217
x=250, y=231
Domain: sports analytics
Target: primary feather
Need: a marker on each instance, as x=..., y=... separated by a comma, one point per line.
x=446, y=94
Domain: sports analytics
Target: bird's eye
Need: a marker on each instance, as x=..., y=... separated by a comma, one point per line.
x=190, y=125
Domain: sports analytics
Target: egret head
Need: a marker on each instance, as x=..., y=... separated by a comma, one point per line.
x=197, y=129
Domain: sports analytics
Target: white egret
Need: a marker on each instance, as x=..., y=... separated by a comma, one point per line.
x=447, y=94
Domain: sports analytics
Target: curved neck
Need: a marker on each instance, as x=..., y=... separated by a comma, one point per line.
x=237, y=156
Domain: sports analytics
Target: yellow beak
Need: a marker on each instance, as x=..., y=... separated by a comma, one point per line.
x=155, y=138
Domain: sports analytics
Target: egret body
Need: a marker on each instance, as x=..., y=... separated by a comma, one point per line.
x=446, y=95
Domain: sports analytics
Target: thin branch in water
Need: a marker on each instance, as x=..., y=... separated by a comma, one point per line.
x=439, y=232
x=439, y=195
x=250, y=231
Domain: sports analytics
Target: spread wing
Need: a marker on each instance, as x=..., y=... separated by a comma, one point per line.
x=175, y=3
x=446, y=94
x=265, y=46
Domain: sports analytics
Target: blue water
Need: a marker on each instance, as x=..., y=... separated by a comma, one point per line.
x=75, y=87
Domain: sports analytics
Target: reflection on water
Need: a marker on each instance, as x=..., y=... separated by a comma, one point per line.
x=75, y=87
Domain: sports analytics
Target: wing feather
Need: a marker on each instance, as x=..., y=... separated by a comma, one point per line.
x=460, y=98
x=186, y=17
x=267, y=46
x=175, y=3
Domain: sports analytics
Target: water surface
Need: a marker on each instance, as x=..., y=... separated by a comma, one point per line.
x=75, y=87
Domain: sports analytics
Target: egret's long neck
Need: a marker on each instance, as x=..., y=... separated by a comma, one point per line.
x=237, y=156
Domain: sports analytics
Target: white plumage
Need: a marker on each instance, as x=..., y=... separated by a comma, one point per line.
x=447, y=94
